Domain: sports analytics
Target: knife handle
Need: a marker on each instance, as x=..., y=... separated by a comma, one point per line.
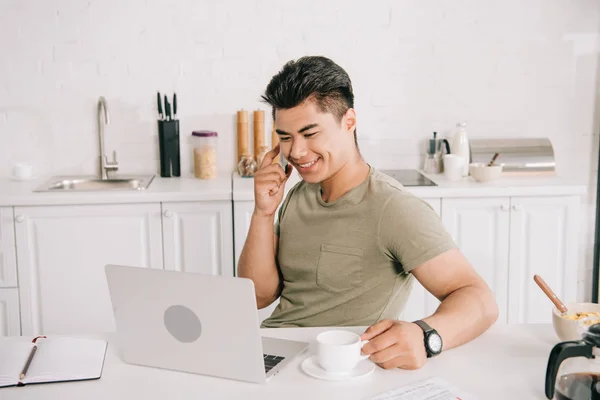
x=167, y=109
x=175, y=105
x=159, y=103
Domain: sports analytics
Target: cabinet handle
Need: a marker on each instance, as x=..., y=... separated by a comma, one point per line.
x=517, y=207
x=168, y=214
x=504, y=207
x=20, y=218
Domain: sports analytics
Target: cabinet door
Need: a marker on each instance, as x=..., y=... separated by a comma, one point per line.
x=543, y=240
x=198, y=237
x=480, y=227
x=8, y=260
x=10, y=323
x=62, y=252
x=421, y=303
x=242, y=216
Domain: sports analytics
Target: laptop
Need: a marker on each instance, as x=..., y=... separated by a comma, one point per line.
x=195, y=323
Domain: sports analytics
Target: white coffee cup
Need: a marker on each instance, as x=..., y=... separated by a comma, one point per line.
x=338, y=351
x=23, y=171
x=453, y=167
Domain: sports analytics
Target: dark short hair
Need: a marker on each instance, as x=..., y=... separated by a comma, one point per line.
x=312, y=77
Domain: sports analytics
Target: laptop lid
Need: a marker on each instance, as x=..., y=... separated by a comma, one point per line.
x=188, y=322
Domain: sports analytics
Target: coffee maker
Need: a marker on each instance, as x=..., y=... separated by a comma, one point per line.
x=434, y=155
x=573, y=371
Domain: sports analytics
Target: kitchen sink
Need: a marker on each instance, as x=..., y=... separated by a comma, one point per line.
x=93, y=183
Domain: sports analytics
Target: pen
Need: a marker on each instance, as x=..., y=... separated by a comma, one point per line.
x=28, y=363
x=160, y=111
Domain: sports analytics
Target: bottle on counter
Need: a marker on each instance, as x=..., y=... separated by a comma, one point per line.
x=460, y=146
x=204, y=144
x=247, y=166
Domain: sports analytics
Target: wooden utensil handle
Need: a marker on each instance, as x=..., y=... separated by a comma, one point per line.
x=551, y=295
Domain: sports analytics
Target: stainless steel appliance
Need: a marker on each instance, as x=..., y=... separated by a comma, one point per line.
x=409, y=177
x=519, y=156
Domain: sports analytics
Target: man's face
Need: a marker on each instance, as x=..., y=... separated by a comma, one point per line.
x=315, y=143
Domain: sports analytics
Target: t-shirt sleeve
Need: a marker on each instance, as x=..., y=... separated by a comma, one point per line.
x=411, y=232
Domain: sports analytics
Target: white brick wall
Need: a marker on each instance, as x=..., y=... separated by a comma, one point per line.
x=511, y=68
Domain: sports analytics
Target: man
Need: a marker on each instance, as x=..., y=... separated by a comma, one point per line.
x=348, y=239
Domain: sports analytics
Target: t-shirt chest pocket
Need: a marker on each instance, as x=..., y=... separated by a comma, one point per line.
x=339, y=268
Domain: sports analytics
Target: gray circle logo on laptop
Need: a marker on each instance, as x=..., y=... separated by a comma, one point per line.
x=182, y=323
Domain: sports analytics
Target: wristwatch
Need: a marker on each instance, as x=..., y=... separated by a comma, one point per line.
x=433, y=341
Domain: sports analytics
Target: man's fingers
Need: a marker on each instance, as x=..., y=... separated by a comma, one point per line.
x=389, y=353
x=270, y=187
x=379, y=343
x=270, y=156
x=377, y=329
x=274, y=174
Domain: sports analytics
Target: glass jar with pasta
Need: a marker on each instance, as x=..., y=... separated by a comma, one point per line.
x=204, y=145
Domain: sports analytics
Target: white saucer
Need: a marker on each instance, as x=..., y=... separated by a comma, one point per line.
x=311, y=367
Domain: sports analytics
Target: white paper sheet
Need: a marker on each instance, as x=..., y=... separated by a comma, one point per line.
x=427, y=389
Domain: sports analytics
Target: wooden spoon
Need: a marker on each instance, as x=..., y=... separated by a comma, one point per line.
x=491, y=163
x=551, y=295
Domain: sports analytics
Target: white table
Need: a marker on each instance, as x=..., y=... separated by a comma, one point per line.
x=506, y=362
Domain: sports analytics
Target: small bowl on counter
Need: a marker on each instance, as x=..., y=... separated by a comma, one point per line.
x=485, y=173
x=576, y=321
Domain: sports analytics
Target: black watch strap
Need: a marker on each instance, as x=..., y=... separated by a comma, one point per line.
x=428, y=331
x=423, y=325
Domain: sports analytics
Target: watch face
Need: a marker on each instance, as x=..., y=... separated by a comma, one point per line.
x=434, y=342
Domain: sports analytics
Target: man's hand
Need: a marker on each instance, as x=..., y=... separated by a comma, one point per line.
x=395, y=344
x=269, y=184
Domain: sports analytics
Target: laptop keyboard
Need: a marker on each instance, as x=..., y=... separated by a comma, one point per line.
x=271, y=361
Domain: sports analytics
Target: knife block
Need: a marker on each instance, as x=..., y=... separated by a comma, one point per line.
x=168, y=143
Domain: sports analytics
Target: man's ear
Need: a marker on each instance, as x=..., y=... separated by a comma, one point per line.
x=349, y=121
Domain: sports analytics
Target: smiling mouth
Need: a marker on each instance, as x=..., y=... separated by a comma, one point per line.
x=306, y=165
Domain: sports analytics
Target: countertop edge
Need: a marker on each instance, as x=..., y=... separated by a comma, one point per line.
x=237, y=189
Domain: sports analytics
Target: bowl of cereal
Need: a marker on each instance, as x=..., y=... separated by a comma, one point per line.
x=578, y=318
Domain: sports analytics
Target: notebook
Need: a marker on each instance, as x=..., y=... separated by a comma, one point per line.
x=56, y=359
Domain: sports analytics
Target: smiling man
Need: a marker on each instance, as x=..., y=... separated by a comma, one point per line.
x=348, y=241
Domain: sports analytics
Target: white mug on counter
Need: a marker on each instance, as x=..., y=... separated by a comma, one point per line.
x=23, y=171
x=453, y=166
x=338, y=351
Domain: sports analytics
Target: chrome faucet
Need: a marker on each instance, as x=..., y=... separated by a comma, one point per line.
x=107, y=169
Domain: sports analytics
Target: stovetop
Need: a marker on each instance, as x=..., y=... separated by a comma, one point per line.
x=409, y=177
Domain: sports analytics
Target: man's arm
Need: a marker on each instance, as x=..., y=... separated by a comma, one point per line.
x=467, y=309
x=468, y=305
x=257, y=261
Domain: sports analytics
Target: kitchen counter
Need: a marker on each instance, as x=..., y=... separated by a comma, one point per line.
x=233, y=187
x=18, y=193
x=243, y=188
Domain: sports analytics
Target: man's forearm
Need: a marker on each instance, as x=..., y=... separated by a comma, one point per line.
x=257, y=260
x=463, y=315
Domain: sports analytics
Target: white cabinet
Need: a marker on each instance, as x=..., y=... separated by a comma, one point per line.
x=421, y=303
x=242, y=216
x=544, y=236
x=197, y=237
x=10, y=323
x=62, y=251
x=8, y=260
x=481, y=229
x=508, y=240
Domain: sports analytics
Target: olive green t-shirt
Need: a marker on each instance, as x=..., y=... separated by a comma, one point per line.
x=347, y=262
